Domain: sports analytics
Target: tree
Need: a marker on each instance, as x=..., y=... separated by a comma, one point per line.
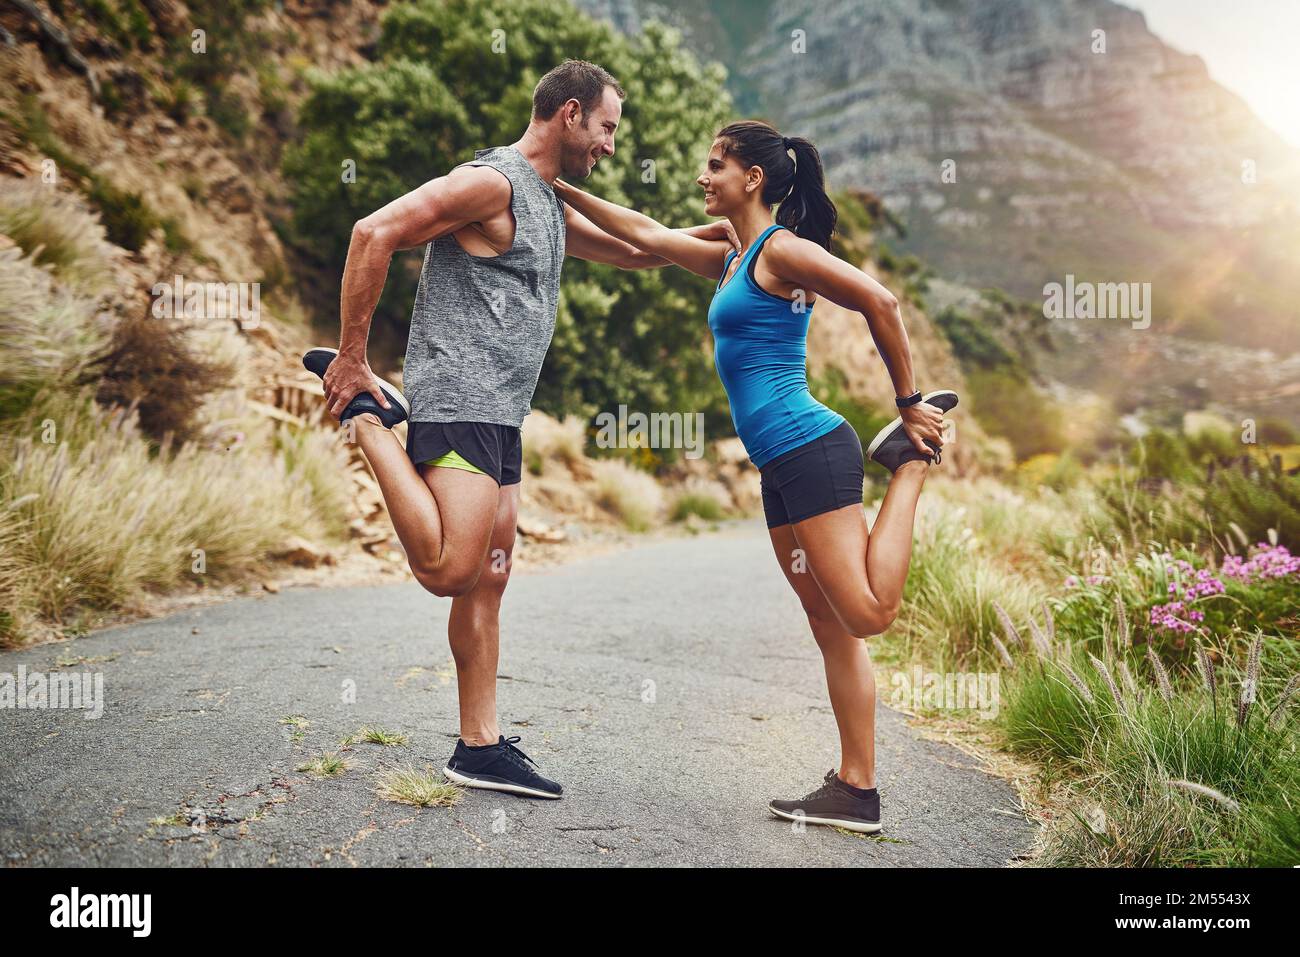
x=452, y=76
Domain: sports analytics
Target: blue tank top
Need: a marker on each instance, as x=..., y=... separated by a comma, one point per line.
x=760, y=350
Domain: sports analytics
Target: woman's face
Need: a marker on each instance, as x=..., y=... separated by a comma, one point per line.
x=723, y=181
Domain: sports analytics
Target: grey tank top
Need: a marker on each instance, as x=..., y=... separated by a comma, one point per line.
x=481, y=326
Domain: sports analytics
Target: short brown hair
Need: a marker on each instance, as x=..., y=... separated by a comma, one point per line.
x=572, y=80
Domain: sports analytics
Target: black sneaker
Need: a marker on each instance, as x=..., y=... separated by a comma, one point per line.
x=499, y=767
x=318, y=360
x=834, y=804
x=891, y=447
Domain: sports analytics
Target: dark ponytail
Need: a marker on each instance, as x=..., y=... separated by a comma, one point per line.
x=798, y=184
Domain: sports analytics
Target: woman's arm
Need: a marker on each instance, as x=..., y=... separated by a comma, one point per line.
x=701, y=256
x=813, y=269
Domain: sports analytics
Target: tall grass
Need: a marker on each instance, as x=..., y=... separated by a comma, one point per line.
x=974, y=545
x=51, y=334
x=57, y=232
x=96, y=518
x=629, y=493
x=95, y=512
x=1062, y=591
x=1189, y=488
x=1171, y=768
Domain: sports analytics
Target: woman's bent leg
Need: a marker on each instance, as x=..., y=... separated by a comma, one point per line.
x=862, y=572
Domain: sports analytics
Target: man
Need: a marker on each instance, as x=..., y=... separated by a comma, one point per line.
x=483, y=319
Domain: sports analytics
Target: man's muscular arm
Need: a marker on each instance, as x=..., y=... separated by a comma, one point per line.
x=441, y=206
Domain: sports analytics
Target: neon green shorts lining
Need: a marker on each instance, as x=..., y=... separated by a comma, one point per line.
x=454, y=460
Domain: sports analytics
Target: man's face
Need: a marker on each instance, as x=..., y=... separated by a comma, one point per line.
x=591, y=136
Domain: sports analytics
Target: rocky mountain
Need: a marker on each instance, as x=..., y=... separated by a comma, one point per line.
x=1022, y=141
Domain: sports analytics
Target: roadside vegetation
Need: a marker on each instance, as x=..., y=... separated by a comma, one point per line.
x=130, y=462
x=1143, y=621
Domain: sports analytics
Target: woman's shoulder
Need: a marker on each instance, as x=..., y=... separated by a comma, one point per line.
x=783, y=249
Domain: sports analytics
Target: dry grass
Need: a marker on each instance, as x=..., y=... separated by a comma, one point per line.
x=326, y=765
x=381, y=736
x=630, y=494
x=58, y=232
x=50, y=333
x=94, y=518
x=705, y=498
x=92, y=515
x=549, y=440
x=422, y=788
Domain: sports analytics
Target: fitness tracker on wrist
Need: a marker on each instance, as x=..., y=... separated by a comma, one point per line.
x=905, y=401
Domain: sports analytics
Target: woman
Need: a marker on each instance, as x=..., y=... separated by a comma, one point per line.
x=848, y=579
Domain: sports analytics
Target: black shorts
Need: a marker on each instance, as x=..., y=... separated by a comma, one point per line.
x=818, y=476
x=497, y=450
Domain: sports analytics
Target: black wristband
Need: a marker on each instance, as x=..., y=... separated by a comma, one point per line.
x=912, y=399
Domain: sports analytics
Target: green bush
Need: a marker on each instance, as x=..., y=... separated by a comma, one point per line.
x=125, y=22
x=231, y=45
x=1174, y=488
x=700, y=505
x=1008, y=405
x=991, y=340
x=861, y=216
x=1277, y=432
x=972, y=344
x=437, y=91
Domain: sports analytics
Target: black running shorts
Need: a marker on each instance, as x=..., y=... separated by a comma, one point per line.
x=818, y=476
x=495, y=450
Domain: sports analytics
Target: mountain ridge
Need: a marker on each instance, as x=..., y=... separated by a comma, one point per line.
x=1130, y=164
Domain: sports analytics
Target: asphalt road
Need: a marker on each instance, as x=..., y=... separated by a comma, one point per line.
x=672, y=688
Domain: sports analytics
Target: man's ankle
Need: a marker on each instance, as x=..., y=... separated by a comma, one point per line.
x=480, y=739
x=857, y=779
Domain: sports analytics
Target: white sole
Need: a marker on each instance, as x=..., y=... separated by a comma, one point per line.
x=391, y=389
x=496, y=786
x=856, y=826
x=885, y=432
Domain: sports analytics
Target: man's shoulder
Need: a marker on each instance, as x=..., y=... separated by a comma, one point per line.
x=485, y=183
x=494, y=157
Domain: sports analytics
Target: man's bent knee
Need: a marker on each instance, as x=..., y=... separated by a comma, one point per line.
x=493, y=580
x=446, y=582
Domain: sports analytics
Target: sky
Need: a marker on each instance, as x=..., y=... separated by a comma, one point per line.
x=1249, y=46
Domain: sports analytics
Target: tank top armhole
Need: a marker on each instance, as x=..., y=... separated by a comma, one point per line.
x=514, y=213
x=758, y=251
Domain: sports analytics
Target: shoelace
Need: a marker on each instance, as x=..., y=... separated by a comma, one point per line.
x=508, y=746
x=828, y=787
